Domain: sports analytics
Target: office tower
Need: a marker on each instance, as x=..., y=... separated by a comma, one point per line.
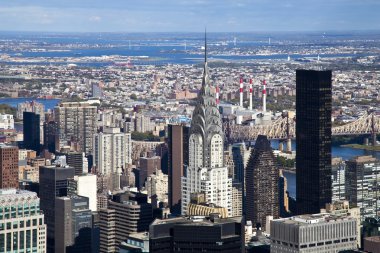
x=135, y=242
x=50, y=135
x=84, y=185
x=143, y=123
x=112, y=151
x=8, y=167
x=342, y=209
x=318, y=233
x=362, y=185
x=77, y=160
x=148, y=165
x=178, y=159
x=338, y=170
x=189, y=235
x=31, y=106
x=53, y=183
x=206, y=172
x=237, y=199
x=282, y=195
x=240, y=155
x=262, y=183
x=157, y=186
x=31, y=130
x=313, y=137
x=22, y=223
x=76, y=123
x=73, y=225
x=126, y=213
x=7, y=121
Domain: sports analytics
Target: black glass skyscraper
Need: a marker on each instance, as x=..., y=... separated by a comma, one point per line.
x=313, y=137
x=31, y=130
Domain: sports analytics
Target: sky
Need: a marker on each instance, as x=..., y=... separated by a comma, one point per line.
x=188, y=15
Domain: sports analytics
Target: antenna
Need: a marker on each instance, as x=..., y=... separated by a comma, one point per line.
x=205, y=44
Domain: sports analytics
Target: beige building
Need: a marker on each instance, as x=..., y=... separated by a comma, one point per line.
x=342, y=209
x=76, y=125
x=157, y=185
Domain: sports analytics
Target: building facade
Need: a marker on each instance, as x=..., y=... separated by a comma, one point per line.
x=73, y=221
x=206, y=172
x=22, y=223
x=262, y=180
x=32, y=131
x=187, y=235
x=320, y=233
x=76, y=124
x=157, y=186
x=53, y=183
x=362, y=185
x=7, y=121
x=178, y=159
x=8, y=167
x=112, y=151
x=338, y=169
x=126, y=213
x=313, y=137
x=84, y=185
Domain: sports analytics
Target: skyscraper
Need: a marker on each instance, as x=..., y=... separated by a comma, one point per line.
x=73, y=221
x=50, y=136
x=22, y=224
x=31, y=130
x=313, y=137
x=206, y=172
x=8, y=167
x=53, y=183
x=362, y=185
x=262, y=183
x=76, y=123
x=126, y=213
x=112, y=151
x=178, y=159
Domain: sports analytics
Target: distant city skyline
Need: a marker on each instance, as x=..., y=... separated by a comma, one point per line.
x=188, y=15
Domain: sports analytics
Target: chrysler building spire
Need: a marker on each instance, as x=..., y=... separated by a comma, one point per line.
x=206, y=172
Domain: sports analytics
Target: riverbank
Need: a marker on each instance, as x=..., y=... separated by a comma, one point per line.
x=364, y=147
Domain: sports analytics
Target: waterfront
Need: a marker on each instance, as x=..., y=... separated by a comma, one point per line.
x=13, y=102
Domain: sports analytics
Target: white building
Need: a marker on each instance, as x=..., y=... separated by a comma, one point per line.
x=22, y=223
x=206, y=172
x=85, y=185
x=317, y=233
x=143, y=123
x=7, y=121
x=31, y=106
x=112, y=151
x=157, y=184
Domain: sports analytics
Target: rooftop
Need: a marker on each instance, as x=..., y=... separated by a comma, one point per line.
x=312, y=219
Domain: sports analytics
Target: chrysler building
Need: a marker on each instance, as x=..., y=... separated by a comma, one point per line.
x=206, y=172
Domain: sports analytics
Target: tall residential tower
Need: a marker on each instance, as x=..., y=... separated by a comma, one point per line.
x=313, y=136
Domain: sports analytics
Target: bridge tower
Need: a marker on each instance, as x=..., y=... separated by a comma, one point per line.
x=373, y=130
x=288, y=137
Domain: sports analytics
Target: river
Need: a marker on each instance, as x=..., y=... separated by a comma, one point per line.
x=336, y=151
